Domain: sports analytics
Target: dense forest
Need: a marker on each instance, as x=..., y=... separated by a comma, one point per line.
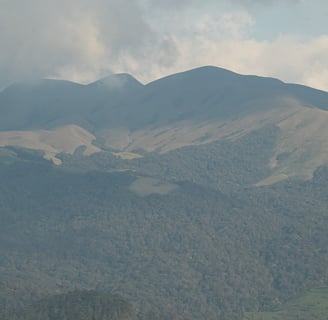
x=182, y=235
x=76, y=305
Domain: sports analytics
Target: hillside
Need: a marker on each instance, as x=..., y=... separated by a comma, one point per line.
x=199, y=195
x=196, y=107
x=312, y=305
x=167, y=246
x=76, y=305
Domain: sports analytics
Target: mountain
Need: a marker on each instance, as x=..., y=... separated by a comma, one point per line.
x=196, y=107
x=199, y=195
x=51, y=103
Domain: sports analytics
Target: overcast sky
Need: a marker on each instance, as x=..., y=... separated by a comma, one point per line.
x=82, y=40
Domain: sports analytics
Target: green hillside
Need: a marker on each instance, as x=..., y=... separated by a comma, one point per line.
x=75, y=305
x=311, y=306
x=176, y=249
x=202, y=195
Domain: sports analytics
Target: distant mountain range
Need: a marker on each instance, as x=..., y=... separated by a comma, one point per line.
x=189, y=108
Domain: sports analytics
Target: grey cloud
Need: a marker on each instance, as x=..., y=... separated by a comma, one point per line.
x=45, y=38
x=261, y=3
x=174, y=4
x=83, y=40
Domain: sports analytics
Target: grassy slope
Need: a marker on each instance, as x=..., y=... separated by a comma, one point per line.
x=300, y=148
x=313, y=305
x=51, y=142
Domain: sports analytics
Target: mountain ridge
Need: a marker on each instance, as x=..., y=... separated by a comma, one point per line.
x=190, y=197
x=193, y=107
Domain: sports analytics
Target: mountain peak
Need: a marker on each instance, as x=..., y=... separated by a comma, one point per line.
x=118, y=81
x=200, y=74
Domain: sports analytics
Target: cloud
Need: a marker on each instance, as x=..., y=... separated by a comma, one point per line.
x=264, y=2
x=77, y=38
x=82, y=40
x=228, y=43
x=183, y=4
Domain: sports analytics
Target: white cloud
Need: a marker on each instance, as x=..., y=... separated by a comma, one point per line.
x=78, y=39
x=228, y=42
x=82, y=40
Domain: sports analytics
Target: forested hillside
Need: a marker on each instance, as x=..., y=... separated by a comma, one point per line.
x=75, y=305
x=202, y=195
x=175, y=248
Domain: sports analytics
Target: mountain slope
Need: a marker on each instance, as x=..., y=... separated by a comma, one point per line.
x=195, y=107
x=176, y=249
x=52, y=103
x=77, y=305
x=52, y=142
x=200, y=195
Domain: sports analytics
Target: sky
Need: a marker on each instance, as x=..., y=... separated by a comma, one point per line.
x=83, y=40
